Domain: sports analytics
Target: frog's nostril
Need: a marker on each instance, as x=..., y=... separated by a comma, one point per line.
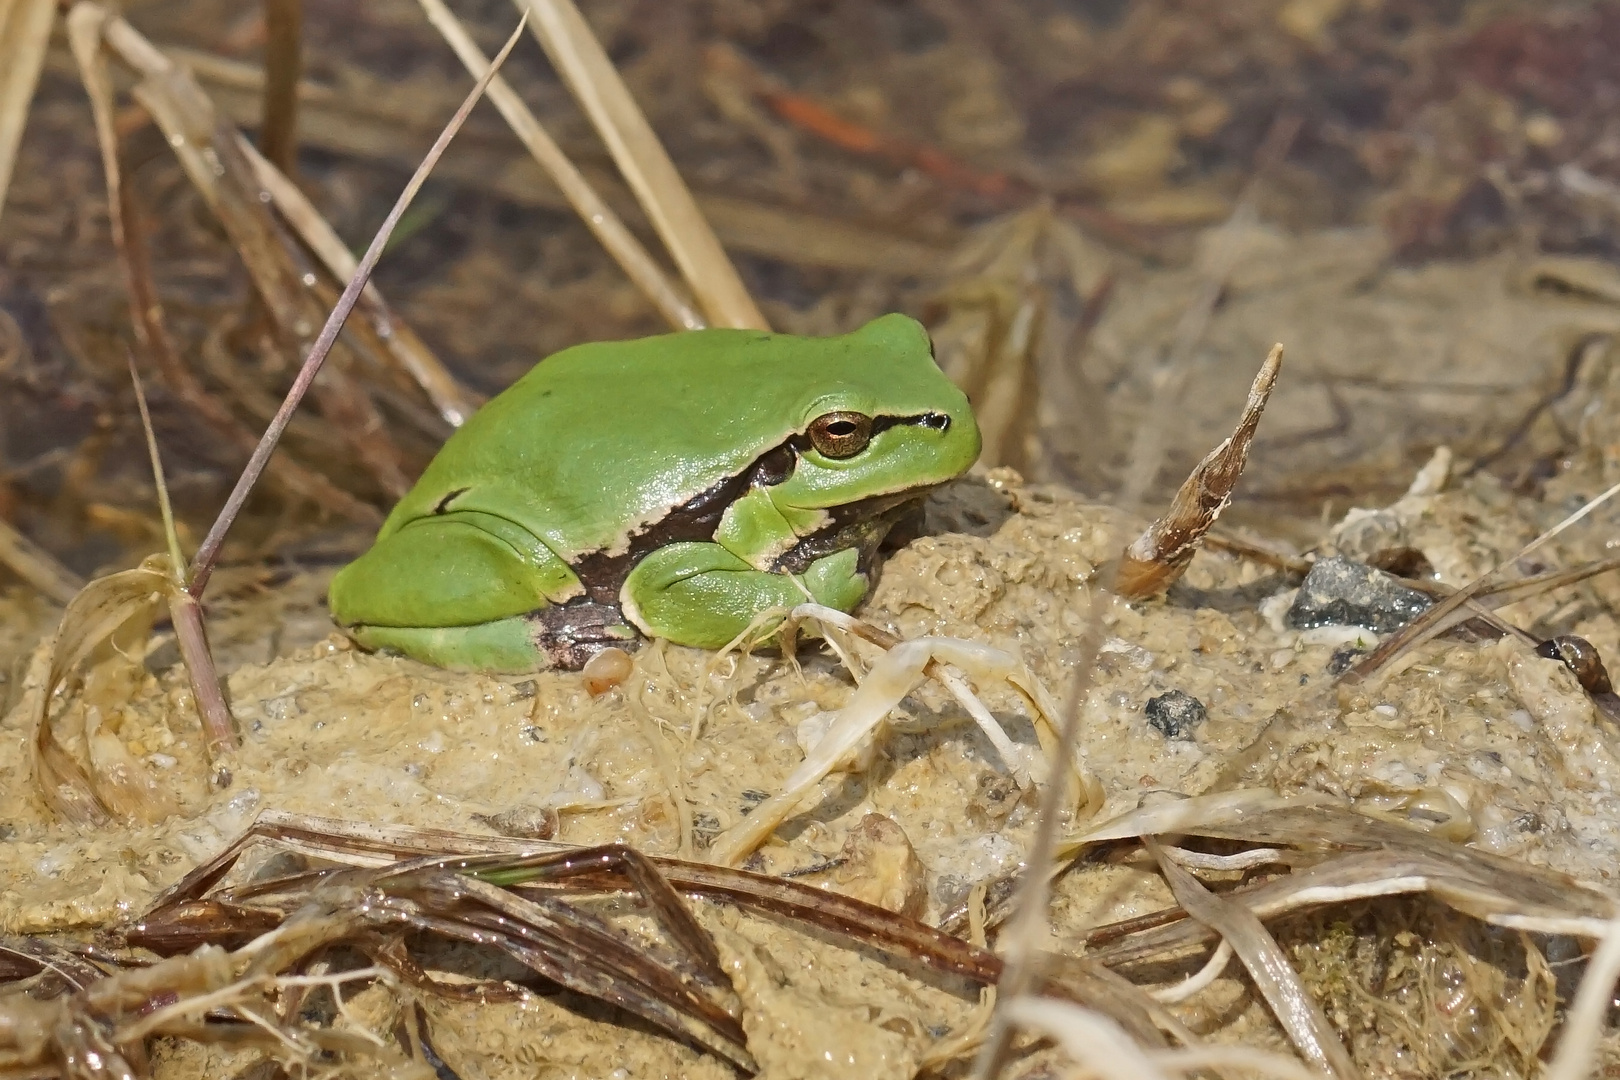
x=937, y=421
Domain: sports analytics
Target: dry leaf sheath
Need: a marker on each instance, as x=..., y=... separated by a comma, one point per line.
x=1158, y=557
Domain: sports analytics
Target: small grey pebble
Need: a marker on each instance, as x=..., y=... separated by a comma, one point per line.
x=523, y=821
x=1174, y=715
x=1339, y=592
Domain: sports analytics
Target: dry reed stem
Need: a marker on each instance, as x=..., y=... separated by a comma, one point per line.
x=1157, y=558
x=203, y=563
x=283, y=67
x=1296, y=1011
x=454, y=402
x=37, y=566
x=25, y=36
x=86, y=22
x=585, y=67
x=605, y=225
x=219, y=732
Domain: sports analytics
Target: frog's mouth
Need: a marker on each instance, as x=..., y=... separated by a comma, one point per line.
x=862, y=525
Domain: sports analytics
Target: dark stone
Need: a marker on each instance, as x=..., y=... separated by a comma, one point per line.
x=1174, y=715
x=1339, y=592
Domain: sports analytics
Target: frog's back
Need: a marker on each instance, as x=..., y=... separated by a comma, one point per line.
x=607, y=436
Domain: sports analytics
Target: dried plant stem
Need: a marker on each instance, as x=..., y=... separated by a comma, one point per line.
x=37, y=566
x=25, y=34
x=219, y=734
x=86, y=24
x=585, y=67
x=453, y=401
x=1434, y=620
x=203, y=564
x=1584, y=1026
x=1026, y=933
x=600, y=218
x=1296, y=1011
x=283, y=67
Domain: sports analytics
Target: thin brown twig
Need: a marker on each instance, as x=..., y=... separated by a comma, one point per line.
x=453, y=401
x=203, y=563
x=1434, y=620
x=85, y=24
x=283, y=67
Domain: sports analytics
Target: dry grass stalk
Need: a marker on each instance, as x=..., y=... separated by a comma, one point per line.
x=1025, y=943
x=1435, y=619
x=1158, y=557
x=453, y=401
x=207, y=149
x=600, y=218
x=585, y=67
x=283, y=67
x=85, y=23
x=219, y=733
x=37, y=566
x=1298, y=1013
x=208, y=552
x=25, y=36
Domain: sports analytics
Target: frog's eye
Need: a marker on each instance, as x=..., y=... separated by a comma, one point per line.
x=841, y=434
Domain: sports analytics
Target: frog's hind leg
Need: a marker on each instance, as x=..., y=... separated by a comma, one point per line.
x=504, y=646
x=560, y=636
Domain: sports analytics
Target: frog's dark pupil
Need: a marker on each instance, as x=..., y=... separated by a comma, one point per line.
x=841, y=434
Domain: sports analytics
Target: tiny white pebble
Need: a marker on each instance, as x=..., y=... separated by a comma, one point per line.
x=1386, y=710
x=161, y=761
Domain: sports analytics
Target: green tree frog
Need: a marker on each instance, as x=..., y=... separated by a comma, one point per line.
x=674, y=487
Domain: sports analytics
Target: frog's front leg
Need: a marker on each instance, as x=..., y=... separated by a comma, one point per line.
x=702, y=595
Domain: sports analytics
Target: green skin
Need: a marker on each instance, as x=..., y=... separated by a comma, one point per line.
x=671, y=487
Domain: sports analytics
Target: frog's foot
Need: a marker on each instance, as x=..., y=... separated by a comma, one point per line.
x=572, y=633
x=561, y=636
